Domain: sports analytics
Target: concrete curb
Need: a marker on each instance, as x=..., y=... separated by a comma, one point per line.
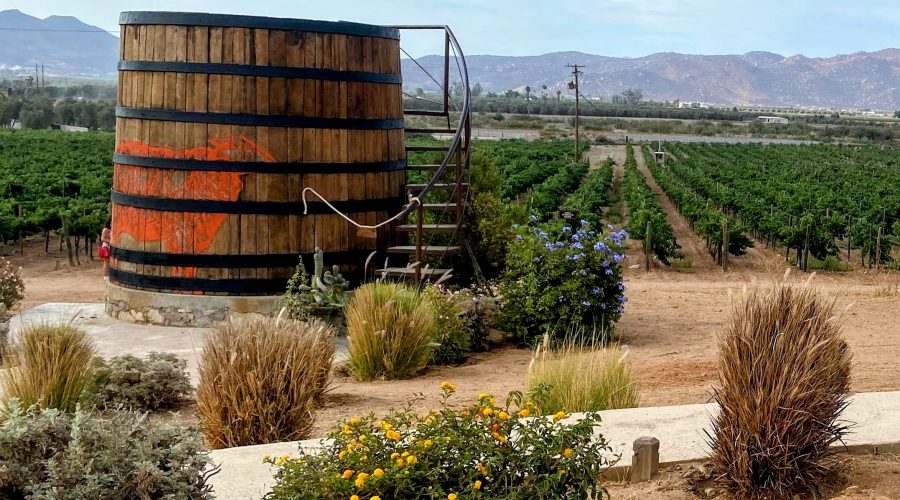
x=680, y=430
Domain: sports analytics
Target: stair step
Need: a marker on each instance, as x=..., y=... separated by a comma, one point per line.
x=410, y=272
x=427, y=250
x=450, y=207
x=427, y=149
x=430, y=228
x=437, y=185
x=430, y=131
x=425, y=112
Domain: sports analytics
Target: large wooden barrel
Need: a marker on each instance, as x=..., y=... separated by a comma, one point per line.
x=221, y=123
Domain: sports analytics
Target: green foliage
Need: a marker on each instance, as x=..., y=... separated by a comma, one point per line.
x=120, y=455
x=591, y=196
x=450, y=330
x=557, y=275
x=157, y=382
x=261, y=380
x=490, y=223
x=644, y=209
x=482, y=451
x=323, y=291
x=577, y=377
x=51, y=173
x=389, y=331
x=547, y=196
x=12, y=288
x=50, y=367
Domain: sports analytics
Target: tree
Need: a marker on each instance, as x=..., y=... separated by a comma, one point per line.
x=420, y=91
x=37, y=114
x=633, y=96
x=558, y=94
x=456, y=88
x=527, y=93
x=897, y=114
x=543, y=92
x=476, y=89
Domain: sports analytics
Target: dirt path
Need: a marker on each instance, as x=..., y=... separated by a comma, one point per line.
x=692, y=246
x=599, y=154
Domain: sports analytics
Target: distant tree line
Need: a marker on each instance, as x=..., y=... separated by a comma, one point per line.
x=91, y=106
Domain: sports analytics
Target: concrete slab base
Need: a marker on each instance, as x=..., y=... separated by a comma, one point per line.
x=172, y=309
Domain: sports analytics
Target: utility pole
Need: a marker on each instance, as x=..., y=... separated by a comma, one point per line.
x=576, y=72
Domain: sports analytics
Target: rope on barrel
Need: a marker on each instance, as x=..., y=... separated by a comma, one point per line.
x=413, y=199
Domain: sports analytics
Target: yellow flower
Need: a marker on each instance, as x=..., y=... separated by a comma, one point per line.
x=488, y=412
x=503, y=415
x=477, y=485
x=405, y=454
x=281, y=460
x=482, y=469
x=354, y=497
x=448, y=387
x=346, y=430
x=376, y=497
x=379, y=472
x=400, y=462
x=567, y=453
x=491, y=401
x=498, y=437
x=524, y=413
x=361, y=479
x=362, y=438
x=347, y=474
x=395, y=455
x=266, y=458
x=386, y=426
x=342, y=454
x=451, y=496
x=411, y=460
x=355, y=421
x=392, y=435
x=428, y=443
x=483, y=396
x=559, y=416
x=428, y=420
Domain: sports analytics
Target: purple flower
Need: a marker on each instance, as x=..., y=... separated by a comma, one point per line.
x=586, y=303
x=577, y=245
x=519, y=237
x=596, y=291
x=566, y=229
x=617, y=257
x=622, y=299
x=559, y=244
x=609, y=271
x=621, y=309
x=584, y=272
x=534, y=218
x=549, y=246
x=584, y=222
x=602, y=306
x=600, y=247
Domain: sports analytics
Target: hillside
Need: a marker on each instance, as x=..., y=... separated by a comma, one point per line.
x=860, y=80
x=63, y=44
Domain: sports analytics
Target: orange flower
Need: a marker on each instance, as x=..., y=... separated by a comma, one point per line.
x=499, y=437
x=503, y=415
x=477, y=485
x=347, y=474
x=524, y=413
x=559, y=416
x=567, y=452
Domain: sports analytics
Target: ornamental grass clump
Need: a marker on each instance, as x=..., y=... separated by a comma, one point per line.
x=50, y=367
x=480, y=449
x=261, y=380
x=784, y=374
x=577, y=377
x=389, y=331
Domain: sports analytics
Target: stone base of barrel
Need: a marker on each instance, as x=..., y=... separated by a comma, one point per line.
x=172, y=309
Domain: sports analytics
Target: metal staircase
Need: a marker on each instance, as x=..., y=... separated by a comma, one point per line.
x=435, y=215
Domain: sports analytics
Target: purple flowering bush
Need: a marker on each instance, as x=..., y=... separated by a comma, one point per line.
x=557, y=275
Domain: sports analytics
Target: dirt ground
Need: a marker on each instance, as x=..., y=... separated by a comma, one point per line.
x=669, y=329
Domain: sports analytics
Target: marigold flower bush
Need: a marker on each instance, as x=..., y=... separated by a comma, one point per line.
x=388, y=331
x=479, y=450
x=557, y=274
x=261, y=380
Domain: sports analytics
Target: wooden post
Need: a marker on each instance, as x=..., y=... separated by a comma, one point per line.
x=878, y=248
x=647, y=240
x=645, y=460
x=725, y=245
x=21, y=238
x=420, y=216
x=65, y=235
x=849, y=224
x=806, y=250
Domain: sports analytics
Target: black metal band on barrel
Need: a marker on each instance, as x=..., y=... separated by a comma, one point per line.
x=235, y=261
x=260, y=167
x=257, y=22
x=265, y=286
x=254, y=120
x=267, y=71
x=254, y=207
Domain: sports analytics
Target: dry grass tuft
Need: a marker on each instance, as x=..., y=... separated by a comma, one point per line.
x=49, y=367
x=575, y=378
x=261, y=380
x=388, y=328
x=784, y=373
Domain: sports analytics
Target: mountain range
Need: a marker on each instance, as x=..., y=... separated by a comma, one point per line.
x=862, y=80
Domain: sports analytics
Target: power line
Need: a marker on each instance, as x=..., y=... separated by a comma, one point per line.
x=7, y=28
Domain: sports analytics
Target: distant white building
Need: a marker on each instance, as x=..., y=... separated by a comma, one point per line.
x=772, y=119
x=69, y=128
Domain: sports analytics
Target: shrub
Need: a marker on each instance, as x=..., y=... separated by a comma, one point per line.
x=50, y=367
x=52, y=455
x=579, y=378
x=156, y=382
x=261, y=379
x=557, y=275
x=450, y=330
x=12, y=288
x=389, y=328
x=491, y=221
x=480, y=451
x=784, y=373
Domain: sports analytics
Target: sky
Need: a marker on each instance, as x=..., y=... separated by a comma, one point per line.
x=623, y=28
